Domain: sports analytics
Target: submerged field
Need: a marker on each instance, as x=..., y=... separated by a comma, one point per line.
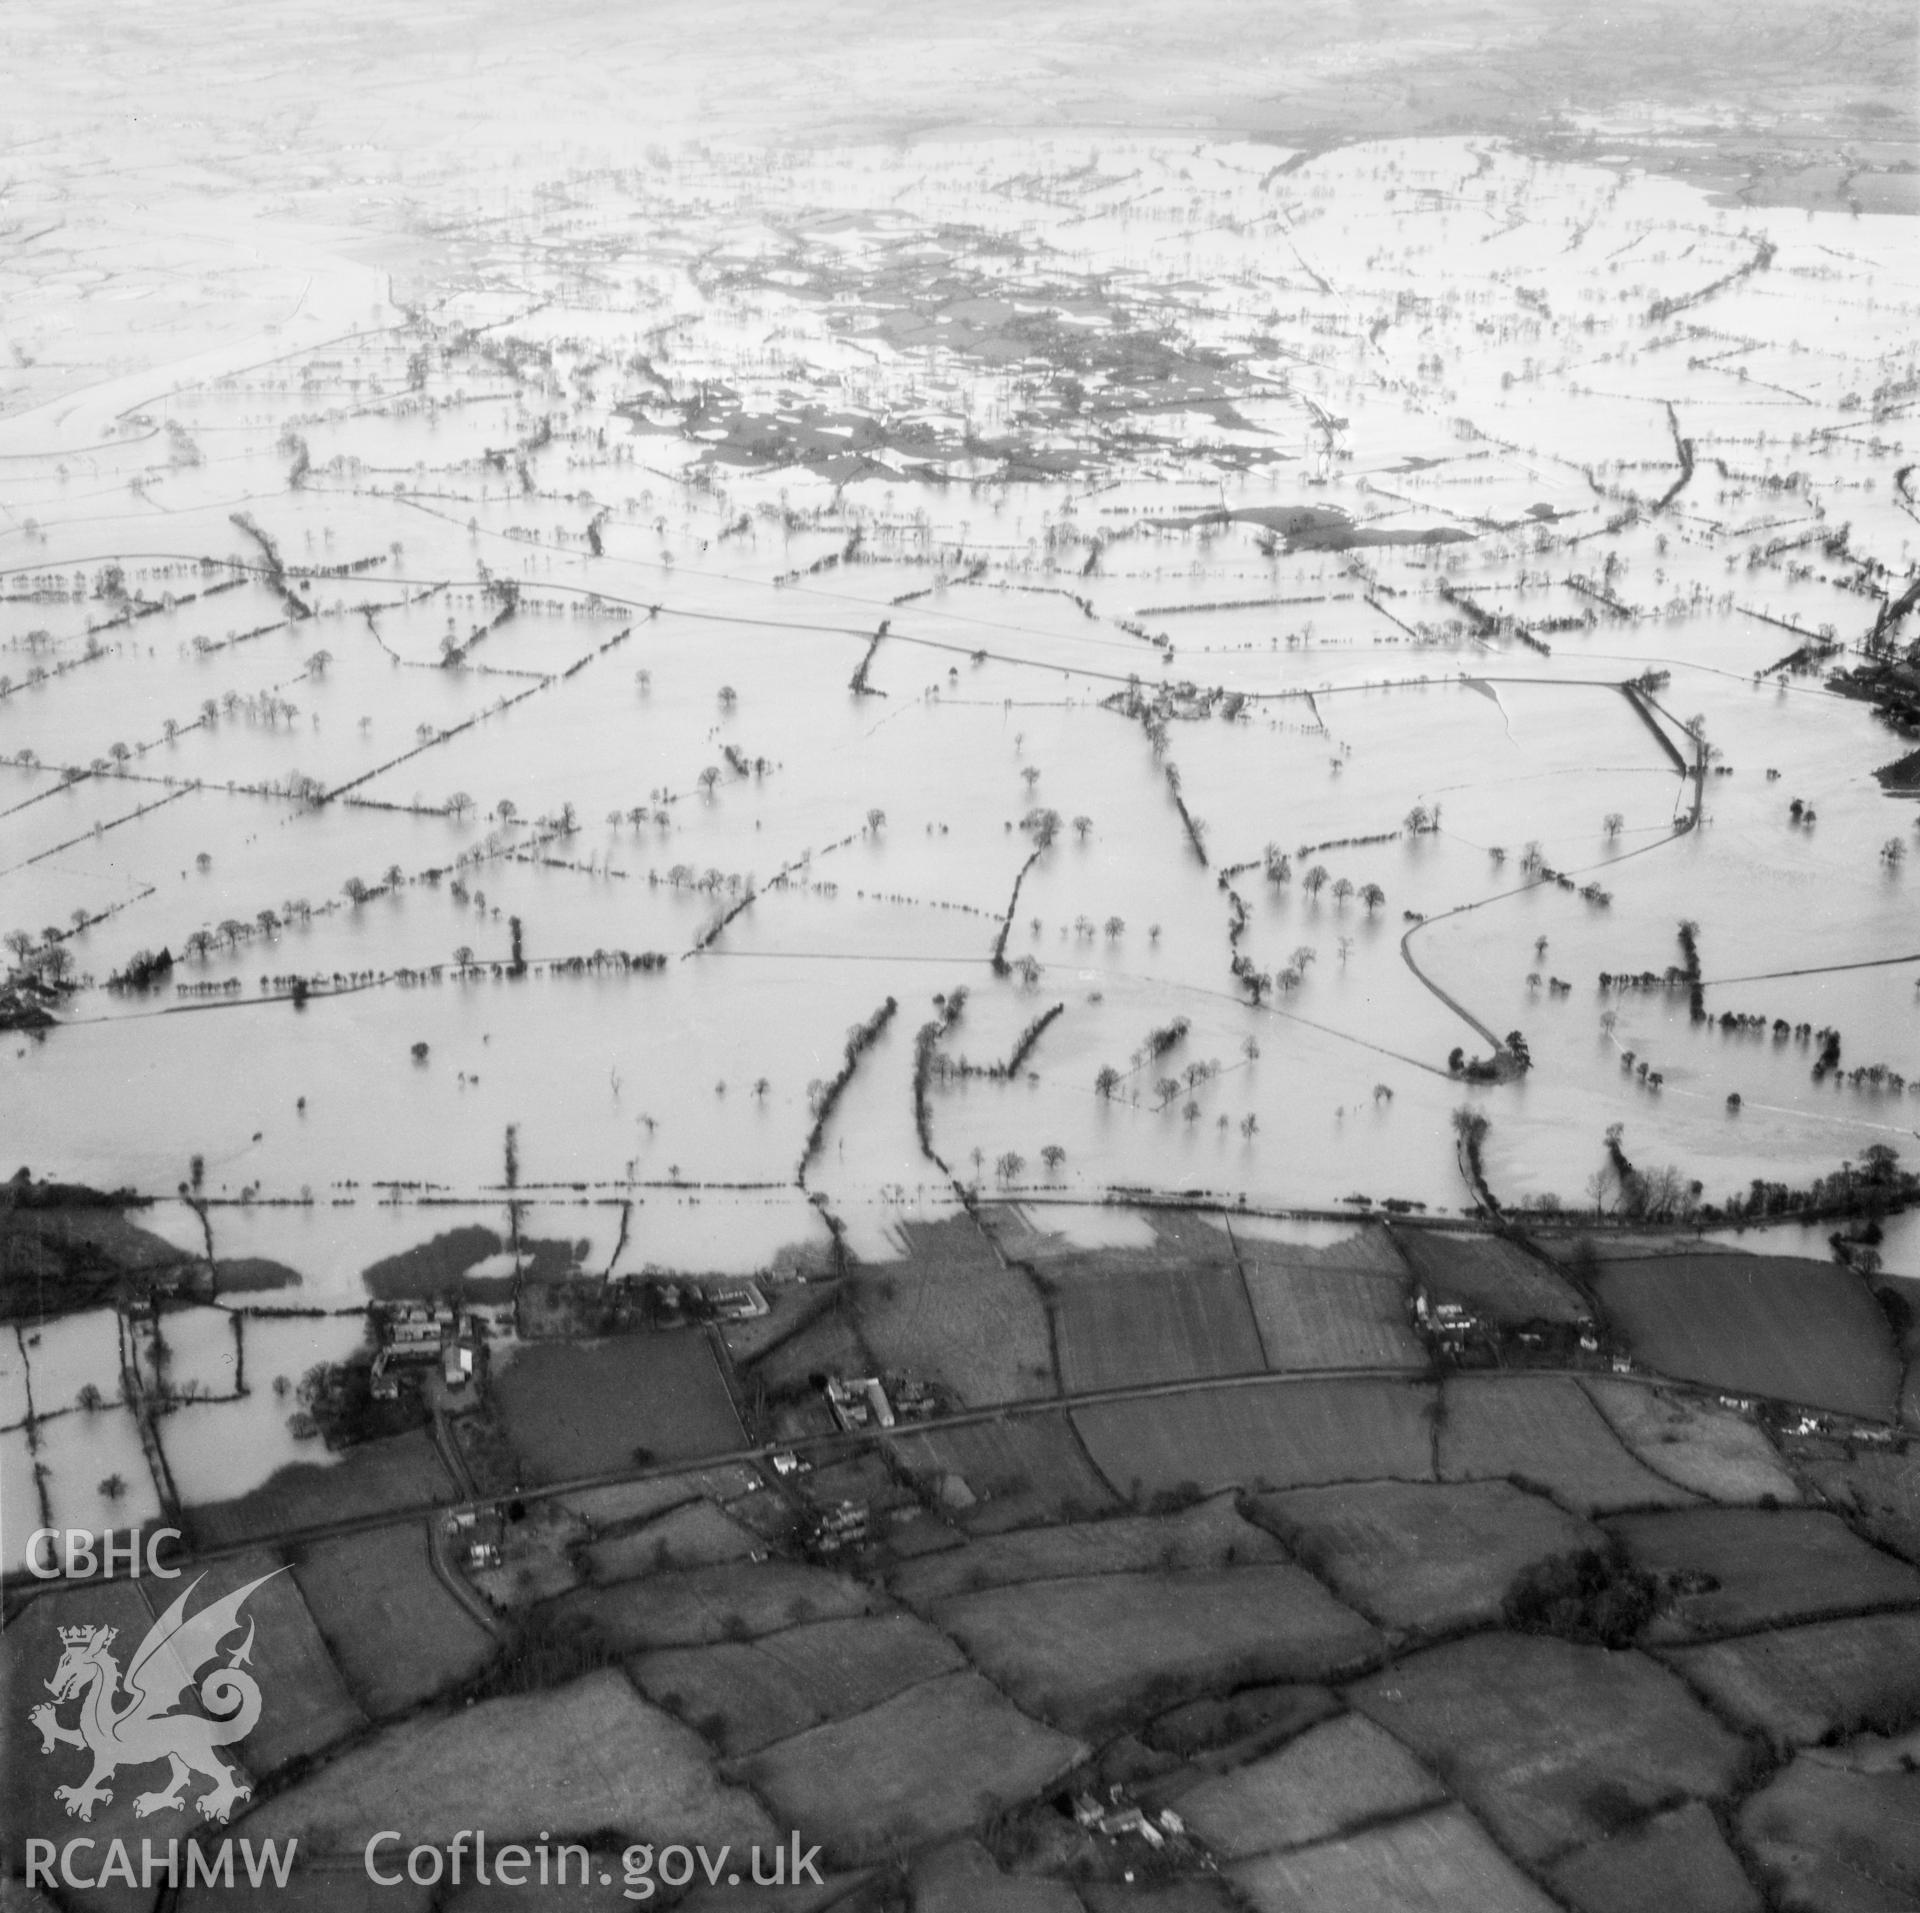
x=899, y=603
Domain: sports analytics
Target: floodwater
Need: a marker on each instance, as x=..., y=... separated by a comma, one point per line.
x=778, y=699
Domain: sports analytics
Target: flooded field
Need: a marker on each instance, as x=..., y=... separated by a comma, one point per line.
x=1221, y=638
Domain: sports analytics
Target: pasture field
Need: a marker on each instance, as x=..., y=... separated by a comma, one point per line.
x=1678, y=1861
x=1018, y=1472
x=746, y=1695
x=1093, y=1652
x=694, y=1535
x=1120, y=1323
x=30, y=1650
x=1421, y=1555
x=312, y=1707
x=790, y=1307
x=1550, y=1743
x=1804, y=1332
x=1491, y=1277
x=588, y=1756
x=844, y=1892
x=1367, y=1248
x=1716, y=1452
x=1181, y=1896
x=862, y=1475
x=934, y=1760
x=961, y=1877
x=1878, y=1488
x=1341, y=1774
x=1276, y=1435
x=687, y=1607
x=397, y=1633
x=739, y=1698
x=1322, y=1315
x=1544, y=1430
x=1426, y=1863
x=1057, y=1232
x=830, y=1344
x=1250, y=1717
x=1211, y=1535
x=582, y=1408
x=1828, y=1832
x=1763, y=1567
x=339, y=1885
x=960, y=1320
x=1581, y=1251
x=1799, y=1685
x=398, y=1471
x=848, y=1666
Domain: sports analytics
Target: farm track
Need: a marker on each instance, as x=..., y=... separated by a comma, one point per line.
x=1698, y=779
x=1817, y=969
x=1452, y=1002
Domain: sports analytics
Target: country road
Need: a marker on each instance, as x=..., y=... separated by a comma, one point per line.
x=835, y=1445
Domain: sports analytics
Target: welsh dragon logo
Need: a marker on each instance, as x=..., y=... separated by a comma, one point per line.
x=144, y=1728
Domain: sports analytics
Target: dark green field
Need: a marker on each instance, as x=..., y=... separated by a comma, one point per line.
x=589, y=1407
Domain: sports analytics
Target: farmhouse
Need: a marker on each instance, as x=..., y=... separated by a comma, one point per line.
x=1449, y=1324
x=678, y=1303
x=414, y=1331
x=1119, y=1818
x=419, y=1335
x=858, y=1401
x=456, y=1363
x=846, y=1524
